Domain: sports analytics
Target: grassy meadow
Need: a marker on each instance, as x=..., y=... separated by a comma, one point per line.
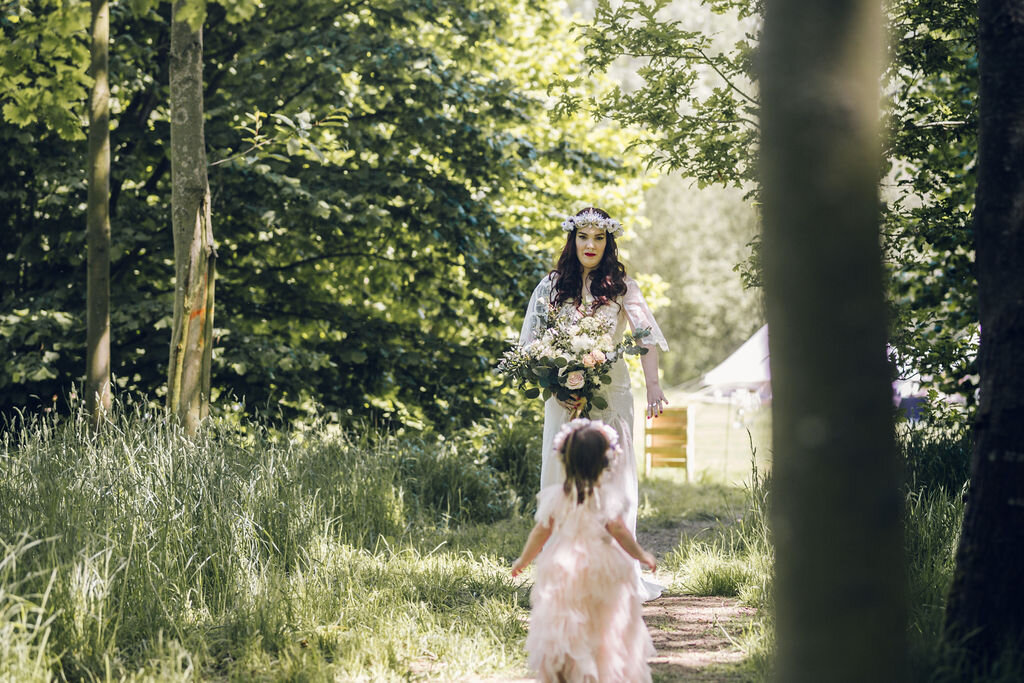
x=134, y=553
x=316, y=553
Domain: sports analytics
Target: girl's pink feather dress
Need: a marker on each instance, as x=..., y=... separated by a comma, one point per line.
x=586, y=618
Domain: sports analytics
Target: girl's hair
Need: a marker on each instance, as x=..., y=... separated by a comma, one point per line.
x=585, y=456
x=609, y=277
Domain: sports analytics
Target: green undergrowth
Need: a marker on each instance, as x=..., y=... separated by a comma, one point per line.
x=666, y=497
x=244, y=553
x=136, y=553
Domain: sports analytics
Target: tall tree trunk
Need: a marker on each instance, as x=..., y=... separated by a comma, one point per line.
x=837, y=509
x=97, y=354
x=986, y=603
x=188, y=383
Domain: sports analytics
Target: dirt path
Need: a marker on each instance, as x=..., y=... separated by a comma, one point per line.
x=694, y=636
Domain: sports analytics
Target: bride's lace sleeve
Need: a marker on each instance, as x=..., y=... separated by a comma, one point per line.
x=533, y=324
x=639, y=315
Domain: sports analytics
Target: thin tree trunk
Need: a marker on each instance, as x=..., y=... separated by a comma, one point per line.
x=986, y=602
x=188, y=390
x=97, y=356
x=837, y=509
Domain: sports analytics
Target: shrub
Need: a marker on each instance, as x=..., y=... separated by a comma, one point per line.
x=450, y=480
x=512, y=446
x=935, y=457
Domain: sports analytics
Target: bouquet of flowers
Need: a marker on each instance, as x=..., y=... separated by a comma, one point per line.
x=572, y=359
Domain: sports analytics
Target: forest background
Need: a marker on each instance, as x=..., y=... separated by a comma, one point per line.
x=387, y=183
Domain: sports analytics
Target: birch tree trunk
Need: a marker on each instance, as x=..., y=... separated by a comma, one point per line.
x=837, y=505
x=188, y=382
x=986, y=603
x=97, y=355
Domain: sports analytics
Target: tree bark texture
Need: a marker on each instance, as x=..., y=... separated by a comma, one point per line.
x=986, y=603
x=836, y=500
x=188, y=390
x=97, y=357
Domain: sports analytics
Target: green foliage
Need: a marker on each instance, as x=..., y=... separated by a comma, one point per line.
x=512, y=446
x=243, y=552
x=697, y=107
x=932, y=148
x=736, y=557
x=44, y=58
x=383, y=179
x=932, y=522
x=698, y=104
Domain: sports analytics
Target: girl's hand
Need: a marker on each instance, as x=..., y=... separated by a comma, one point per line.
x=649, y=561
x=517, y=567
x=656, y=400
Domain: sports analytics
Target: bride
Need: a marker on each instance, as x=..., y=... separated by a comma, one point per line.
x=590, y=280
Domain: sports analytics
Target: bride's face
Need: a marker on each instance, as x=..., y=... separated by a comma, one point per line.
x=590, y=244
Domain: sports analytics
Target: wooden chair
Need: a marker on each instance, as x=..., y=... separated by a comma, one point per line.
x=666, y=439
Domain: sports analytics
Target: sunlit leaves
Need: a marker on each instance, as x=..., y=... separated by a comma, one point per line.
x=386, y=185
x=43, y=63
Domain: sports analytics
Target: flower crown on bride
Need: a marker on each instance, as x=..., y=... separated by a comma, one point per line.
x=589, y=217
x=610, y=435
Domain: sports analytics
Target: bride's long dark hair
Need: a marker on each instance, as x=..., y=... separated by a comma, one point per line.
x=608, y=279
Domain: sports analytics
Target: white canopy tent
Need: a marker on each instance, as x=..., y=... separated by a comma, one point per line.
x=745, y=371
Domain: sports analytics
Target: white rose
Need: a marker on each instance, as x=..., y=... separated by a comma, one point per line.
x=574, y=380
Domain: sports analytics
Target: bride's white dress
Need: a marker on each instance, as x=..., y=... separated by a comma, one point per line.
x=630, y=309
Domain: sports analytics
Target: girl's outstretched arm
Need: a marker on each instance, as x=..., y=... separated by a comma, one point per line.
x=621, y=533
x=538, y=537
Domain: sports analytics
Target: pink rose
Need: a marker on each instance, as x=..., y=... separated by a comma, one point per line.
x=574, y=380
x=589, y=361
x=599, y=356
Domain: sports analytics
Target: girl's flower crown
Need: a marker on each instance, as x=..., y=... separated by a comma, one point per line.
x=610, y=435
x=610, y=225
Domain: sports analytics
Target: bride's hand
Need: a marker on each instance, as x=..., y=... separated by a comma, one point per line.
x=656, y=401
x=573, y=404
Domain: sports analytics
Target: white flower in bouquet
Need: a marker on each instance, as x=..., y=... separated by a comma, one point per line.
x=582, y=343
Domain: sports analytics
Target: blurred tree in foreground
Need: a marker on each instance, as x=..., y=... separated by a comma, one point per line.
x=985, y=612
x=700, y=107
x=385, y=181
x=839, y=572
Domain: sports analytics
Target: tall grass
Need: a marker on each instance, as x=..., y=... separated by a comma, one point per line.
x=733, y=558
x=136, y=552
x=938, y=468
x=736, y=560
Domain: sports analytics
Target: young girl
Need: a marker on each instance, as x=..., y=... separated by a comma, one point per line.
x=586, y=622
